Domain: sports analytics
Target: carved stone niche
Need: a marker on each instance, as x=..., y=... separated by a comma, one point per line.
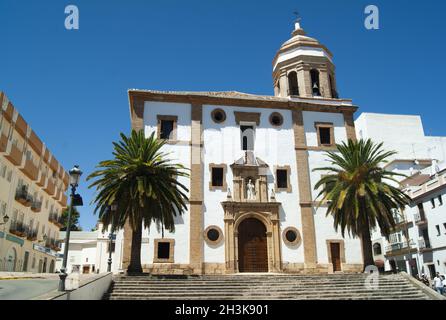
x=254, y=169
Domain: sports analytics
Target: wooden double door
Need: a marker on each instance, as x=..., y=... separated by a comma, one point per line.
x=252, y=246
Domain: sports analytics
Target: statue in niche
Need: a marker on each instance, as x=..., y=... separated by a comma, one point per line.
x=250, y=190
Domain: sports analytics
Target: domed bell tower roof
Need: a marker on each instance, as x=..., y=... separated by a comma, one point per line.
x=310, y=64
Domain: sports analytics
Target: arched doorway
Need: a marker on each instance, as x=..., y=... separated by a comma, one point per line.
x=252, y=246
x=52, y=266
x=11, y=260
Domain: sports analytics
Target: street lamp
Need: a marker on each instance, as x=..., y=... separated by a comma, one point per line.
x=113, y=208
x=5, y=220
x=76, y=200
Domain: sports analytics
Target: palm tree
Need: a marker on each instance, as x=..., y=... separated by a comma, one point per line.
x=358, y=192
x=140, y=185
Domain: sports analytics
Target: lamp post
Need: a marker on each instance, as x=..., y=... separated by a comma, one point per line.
x=5, y=220
x=110, y=237
x=76, y=200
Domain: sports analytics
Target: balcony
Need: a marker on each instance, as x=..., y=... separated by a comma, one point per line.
x=57, y=194
x=36, y=206
x=401, y=223
x=420, y=218
x=53, y=244
x=42, y=180
x=63, y=200
x=424, y=245
x=15, y=155
x=18, y=229
x=56, y=219
x=3, y=142
x=50, y=188
x=30, y=170
x=399, y=248
x=23, y=197
x=31, y=234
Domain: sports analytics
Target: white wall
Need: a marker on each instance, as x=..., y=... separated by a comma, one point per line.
x=178, y=154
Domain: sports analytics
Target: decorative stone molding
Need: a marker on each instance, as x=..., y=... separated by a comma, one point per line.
x=210, y=241
x=247, y=117
x=328, y=125
x=218, y=115
x=268, y=214
x=171, y=252
x=288, y=189
x=296, y=242
x=224, y=187
x=160, y=118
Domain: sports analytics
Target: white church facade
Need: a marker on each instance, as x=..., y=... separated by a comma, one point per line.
x=252, y=204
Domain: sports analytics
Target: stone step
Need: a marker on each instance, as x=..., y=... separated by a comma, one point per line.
x=411, y=296
x=263, y=287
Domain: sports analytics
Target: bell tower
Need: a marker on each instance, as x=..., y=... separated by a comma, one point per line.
x=303, y=67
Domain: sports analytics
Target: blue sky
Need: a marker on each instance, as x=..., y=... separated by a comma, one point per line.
x=71, y=86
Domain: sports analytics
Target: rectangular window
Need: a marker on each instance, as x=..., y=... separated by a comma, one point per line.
x=166, y=129
x=217, y=177
x=433, y=203
x=282, y=178
x=440, y=200
x=163, y=250
x=438, y=230
x=444, y=226
x=9, y=178
x=325, y=134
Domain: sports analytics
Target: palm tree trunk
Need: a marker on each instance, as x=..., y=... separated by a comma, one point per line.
x=367, y=249
x=135, y=254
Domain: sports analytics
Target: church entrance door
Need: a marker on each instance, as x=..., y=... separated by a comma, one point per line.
x=252, y=246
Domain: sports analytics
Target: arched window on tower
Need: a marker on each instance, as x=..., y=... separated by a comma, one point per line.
x=377, y=249
x=293, y=86
x=334, y=93
x=315, y=86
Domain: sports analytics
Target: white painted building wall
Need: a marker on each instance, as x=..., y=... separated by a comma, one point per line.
x=405, y=135
x=222, y=145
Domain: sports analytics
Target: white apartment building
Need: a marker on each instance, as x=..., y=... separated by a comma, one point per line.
x=32, y=196
x=88, y=252
x=419, y=242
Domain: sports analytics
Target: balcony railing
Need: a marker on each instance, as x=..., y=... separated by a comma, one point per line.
x=36, y=206
x=424, y=244
x=394, y=248
x=56, y=219
x=23, y=197
x=31, y=234
x=420, y=218
x=18, y=228
x=53, y=244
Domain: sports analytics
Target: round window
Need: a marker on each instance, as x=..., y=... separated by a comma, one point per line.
x=291, y=236
x=213, y=234
x=218, y=115
x=276, y=119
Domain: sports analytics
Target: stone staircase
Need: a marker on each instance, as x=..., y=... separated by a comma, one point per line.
x=266, y=287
